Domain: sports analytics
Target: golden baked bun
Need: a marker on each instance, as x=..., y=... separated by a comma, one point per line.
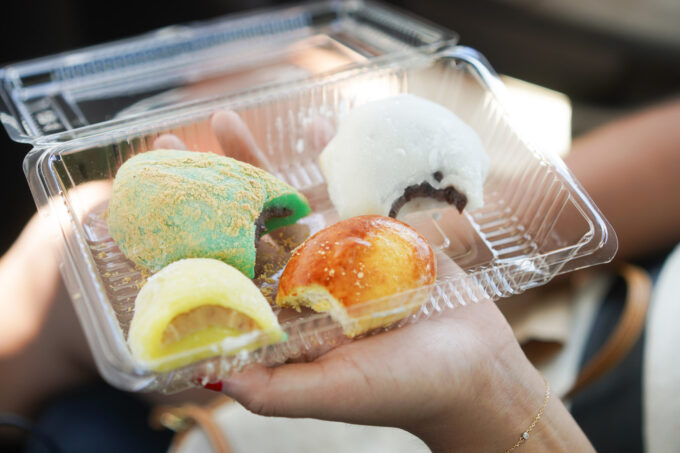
x=349, y=269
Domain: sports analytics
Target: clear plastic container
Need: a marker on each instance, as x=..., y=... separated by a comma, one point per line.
x=536, y=223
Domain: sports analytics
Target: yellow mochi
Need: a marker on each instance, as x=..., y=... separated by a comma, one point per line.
x=197, y=308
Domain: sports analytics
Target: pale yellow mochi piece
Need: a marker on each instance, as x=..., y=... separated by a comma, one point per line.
x=197, y=308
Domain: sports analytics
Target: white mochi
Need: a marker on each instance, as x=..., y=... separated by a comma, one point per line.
x=383, y=147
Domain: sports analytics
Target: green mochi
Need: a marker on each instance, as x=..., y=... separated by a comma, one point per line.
x=168, y=205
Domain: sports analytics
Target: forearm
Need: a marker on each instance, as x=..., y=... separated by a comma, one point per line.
x=42, y=346
x=631, y=169
x=506, y=398
x=55, y=359
x=29, y=279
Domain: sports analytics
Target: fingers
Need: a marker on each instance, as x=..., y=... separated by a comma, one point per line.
x=236, y=140
x=168, y=141
x=234, y=137
x=280, y=391
x=316, y=389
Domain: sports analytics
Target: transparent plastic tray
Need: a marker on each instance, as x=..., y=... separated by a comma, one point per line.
x=536, y=222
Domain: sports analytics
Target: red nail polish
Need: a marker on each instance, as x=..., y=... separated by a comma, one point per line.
x=214, y=386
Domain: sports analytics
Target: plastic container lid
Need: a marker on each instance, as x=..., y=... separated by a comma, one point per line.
x=74, y=94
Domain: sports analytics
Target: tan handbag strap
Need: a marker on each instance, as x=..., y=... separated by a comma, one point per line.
x=179, y=419
x=627, y=331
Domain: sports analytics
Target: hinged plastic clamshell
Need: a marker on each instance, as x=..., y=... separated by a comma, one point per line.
x=58, y=98
x=88, y=111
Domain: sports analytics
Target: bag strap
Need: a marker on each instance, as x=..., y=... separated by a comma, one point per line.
x=627, y=331
x=180, y=419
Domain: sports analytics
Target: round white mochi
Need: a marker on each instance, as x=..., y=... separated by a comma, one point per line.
x=383, y=147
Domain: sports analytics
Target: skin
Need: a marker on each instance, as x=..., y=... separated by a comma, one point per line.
x=631, y=168
x=460, y=380
x=43, y=348
x=478, y=381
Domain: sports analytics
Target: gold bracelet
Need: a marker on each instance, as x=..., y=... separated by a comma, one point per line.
x=525, y=435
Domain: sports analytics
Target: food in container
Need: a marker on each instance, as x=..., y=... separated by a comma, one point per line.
x=194, y=303
x=171, y=204
x=343, y=268
x=402, y=154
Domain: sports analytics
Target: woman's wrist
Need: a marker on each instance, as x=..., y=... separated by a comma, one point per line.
x=488, y=412
x=498, y=405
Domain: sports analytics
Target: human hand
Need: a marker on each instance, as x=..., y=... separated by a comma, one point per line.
x=232, y=134
x=452, y=380
x=236, y=140
x=458, y=380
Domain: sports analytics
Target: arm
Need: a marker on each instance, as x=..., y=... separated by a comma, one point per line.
x=459, y=381
x=43, y=348
x=631, y=169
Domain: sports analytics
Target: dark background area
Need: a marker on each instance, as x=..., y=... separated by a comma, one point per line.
x=604, y=73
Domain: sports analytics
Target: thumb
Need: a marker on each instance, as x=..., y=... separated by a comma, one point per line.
x=319, y=389
x=234, y=137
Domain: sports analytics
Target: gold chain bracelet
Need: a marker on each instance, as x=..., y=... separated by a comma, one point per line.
x=525, y=435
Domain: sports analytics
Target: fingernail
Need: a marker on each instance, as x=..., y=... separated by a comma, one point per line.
x=214, y=386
